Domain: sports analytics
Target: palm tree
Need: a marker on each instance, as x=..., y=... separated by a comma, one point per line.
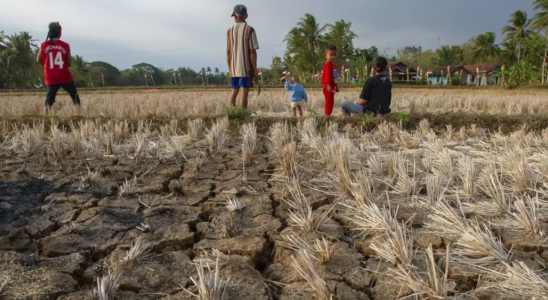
x=216, y=71
x=19, y=56
x=540, y=22
x=445, y=56
x=304, y=40
x=342, y=36
x=518, y=30
x=485, y=47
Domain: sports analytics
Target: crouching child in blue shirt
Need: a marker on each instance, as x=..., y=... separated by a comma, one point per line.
x=297, y=95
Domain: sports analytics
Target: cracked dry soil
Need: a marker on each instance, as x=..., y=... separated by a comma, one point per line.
x=57, y=237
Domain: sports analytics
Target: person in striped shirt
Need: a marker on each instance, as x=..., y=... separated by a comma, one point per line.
x=241, y=55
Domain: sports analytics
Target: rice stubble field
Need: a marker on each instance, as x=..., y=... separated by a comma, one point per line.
x=115, y=204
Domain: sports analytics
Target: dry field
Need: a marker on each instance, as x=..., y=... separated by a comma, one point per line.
x=117, y=209
x=273, y=103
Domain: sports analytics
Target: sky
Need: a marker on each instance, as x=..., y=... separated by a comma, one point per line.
x=192, y=33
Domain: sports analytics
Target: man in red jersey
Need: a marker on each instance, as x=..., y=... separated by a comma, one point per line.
x=56, y=59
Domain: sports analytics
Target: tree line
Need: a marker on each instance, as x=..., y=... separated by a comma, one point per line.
x=18, y=69
x=523, y=52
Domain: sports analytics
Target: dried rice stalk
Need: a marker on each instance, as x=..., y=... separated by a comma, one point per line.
x=216, y=136
x=280, y=136
x=138, y=248
x=434, y=189
x=446, y=221
x=304, y=265
x=369, y=218
x=467, y=173
x=107, y=287
x=527, y=216
x=210, y=285
x=478, y=246
x=195, y=129
x=520, y=281
x=362, y=188
x=491, y=185
x=397, y=247
x=249, y=141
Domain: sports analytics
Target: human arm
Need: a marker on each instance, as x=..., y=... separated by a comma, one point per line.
x=305, y=96
x=39, y=57
x=253, y=47
x=253, y=57
x=69, y=58
x=365, y=96
x=288, y=86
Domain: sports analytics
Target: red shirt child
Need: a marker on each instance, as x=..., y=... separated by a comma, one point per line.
x=329, y=79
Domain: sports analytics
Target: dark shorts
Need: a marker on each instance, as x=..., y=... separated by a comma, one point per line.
x=70, y=88
x=239, y=82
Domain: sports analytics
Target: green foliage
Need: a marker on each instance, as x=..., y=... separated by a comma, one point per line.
x=237, y=116
x=520, y=74
x=402, y=118
x=455, y=81
x=368, y=121
x=422, y=82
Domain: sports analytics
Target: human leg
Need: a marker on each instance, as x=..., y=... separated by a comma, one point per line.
x=300, y=109
x=234, y=96
x=52, y=93
x=350, y=107
x=294, y=111
x=245, y=94
x=329, y=101
x=70, y=88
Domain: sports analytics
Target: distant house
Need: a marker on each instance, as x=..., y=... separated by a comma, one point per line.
x=484, y=69
x=399, y=71
x=469, y=74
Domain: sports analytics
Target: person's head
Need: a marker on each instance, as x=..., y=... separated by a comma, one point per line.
x=294, y=79
x=54, y=31
x=239, y=13
x=331, y=53
x=380, y=65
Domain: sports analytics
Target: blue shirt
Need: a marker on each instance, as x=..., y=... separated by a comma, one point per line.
x=296, y=92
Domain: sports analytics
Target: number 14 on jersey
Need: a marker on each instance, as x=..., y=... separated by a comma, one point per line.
x=58, y=61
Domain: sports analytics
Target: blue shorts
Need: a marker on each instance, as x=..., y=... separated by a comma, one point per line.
x=239, y=82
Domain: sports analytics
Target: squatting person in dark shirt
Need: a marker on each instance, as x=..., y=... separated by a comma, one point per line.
x=376, y=95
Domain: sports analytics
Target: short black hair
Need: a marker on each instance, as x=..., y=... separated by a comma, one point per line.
x=380, y=64
x=331, y=48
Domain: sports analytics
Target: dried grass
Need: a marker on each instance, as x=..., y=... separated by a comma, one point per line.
x=396, y=246
x=106, y=287
x=234, y=204
x=447, y=222
x=249, y=141
x=519, y=281
x=210, y=285
x=478, y=246
x=304, y=266
x=216, y=136
x=137, y=250
x=369, y=219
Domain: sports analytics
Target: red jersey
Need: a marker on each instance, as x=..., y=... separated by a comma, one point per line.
x=54, y=60
x=330, y=74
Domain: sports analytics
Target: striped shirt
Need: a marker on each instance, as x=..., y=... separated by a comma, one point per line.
x=241, y=39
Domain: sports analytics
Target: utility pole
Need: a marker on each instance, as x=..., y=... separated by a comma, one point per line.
x=103, y=77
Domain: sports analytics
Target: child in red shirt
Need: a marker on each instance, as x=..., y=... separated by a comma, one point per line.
x=55, y=57
x=329, y=79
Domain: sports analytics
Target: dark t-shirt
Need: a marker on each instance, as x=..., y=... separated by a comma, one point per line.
x=378, y=93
